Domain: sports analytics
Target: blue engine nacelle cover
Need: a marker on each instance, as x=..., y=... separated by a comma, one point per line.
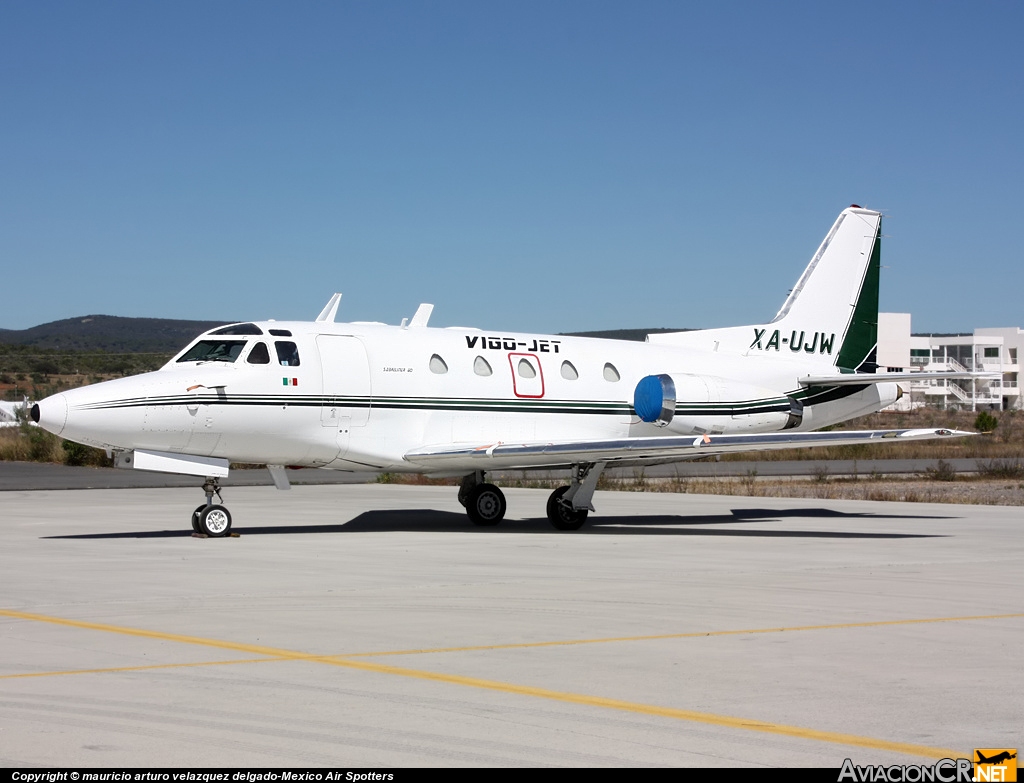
x=654, y=399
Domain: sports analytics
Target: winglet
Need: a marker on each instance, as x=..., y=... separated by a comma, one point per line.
x=330, y=310
x=422, y=315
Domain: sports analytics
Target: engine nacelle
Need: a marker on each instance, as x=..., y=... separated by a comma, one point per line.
x=695, y=404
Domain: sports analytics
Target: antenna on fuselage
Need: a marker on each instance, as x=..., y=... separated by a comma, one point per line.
x=330, y=310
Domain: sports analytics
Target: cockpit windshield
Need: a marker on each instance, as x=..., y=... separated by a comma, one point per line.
x=213, y=351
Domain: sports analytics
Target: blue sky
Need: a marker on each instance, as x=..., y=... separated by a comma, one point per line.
x=548, y=166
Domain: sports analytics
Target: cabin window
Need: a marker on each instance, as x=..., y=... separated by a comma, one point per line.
x=569, y=372
x=287, y=353
x=437, y=365
x=526, y=369
x=239, y=329
x=481, y=367
x=214, y=351
x=259, y=354
x=280, y=333
x=610, y=373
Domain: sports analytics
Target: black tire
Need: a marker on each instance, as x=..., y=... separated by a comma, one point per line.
x=214, y=521
x=563, y=517
x=195, y=518
x=485, y=505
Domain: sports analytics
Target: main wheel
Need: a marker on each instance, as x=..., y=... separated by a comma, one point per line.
x=564, y=517
x=195, y=518
x=214, y=521
x=485, y=505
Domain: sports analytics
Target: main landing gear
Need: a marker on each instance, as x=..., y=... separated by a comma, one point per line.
x=561, y=514
x=567, y=507
x=485, y=503
x=211, y=519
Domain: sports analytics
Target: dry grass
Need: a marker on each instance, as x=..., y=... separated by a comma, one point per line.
x=935, y=486
x=33, y=444
x=1005, y=442
x=30, y=444
x=974, y=490
x=417, y=479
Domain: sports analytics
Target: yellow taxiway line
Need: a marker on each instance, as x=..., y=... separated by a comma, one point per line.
x=691, y=635
x=112, y=669
x=347, y=662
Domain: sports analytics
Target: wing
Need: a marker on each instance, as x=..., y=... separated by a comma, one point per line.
x=861, y=378
x=505, y=456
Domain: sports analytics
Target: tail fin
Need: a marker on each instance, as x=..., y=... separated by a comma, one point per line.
x=838, y=292
x=831, y=315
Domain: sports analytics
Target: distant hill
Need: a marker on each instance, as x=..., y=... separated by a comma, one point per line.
x=110, y=333
x=166, y=335
x=636, y=335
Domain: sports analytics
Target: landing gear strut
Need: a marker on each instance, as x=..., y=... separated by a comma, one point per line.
x=569, y=506
x=211, y=519
x=485, y=503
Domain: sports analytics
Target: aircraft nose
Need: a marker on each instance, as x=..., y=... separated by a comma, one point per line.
x=51, y=414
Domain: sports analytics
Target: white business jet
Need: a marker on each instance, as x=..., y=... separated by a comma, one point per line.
x=9, y=412
x=461, y=401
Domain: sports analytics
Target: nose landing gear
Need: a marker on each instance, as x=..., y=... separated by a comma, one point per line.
x=211, y=519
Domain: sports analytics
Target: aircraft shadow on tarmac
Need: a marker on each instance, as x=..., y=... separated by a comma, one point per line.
x=431, y=521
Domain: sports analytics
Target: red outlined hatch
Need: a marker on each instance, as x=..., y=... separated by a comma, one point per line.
x=527, y=375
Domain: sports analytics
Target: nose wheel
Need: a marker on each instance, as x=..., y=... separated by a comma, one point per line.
x=211, y=519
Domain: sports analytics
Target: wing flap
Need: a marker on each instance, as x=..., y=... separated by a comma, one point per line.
x=665, y=449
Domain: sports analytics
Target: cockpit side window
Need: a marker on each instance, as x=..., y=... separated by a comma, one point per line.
x=287, y=353
x=259, y=354
x=239, y=329
x=214, y=351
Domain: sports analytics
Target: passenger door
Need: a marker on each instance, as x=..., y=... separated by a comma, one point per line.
x=346, y=386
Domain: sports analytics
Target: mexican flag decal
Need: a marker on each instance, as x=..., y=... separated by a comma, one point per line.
x=290, y=381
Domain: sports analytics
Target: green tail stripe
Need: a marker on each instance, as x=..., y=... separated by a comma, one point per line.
x=862, y=336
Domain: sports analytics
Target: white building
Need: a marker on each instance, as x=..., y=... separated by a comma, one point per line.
x=987, y=350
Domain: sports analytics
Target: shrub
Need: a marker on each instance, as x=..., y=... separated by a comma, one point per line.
x=1004, y=469
x=77, y=454
x=748, y=481
x=942, y=471
x=43, y=446
x=985, y=422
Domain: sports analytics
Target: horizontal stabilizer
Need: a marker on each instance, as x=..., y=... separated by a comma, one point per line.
x=649, y=449
x=859, y=379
